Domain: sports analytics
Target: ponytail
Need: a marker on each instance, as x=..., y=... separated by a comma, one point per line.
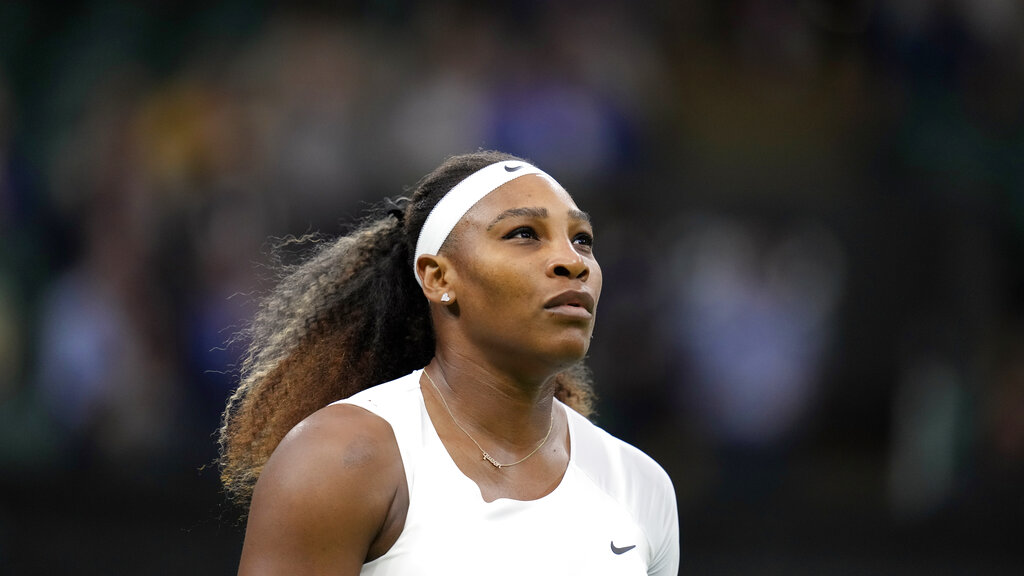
x=349, y=317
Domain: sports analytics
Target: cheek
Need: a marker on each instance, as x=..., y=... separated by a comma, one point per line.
x=494, y=285
x=501, y=281
x=596, y=279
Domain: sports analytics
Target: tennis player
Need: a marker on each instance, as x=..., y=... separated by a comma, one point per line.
x=414, y=401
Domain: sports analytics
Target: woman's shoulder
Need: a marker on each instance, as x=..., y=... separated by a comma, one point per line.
x=346, y=445
x=325, y=492
x=637, y=483
x=615, y=464
x=352, y=440
x=337, y=441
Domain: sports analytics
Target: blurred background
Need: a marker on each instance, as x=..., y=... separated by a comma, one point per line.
x=810, y=215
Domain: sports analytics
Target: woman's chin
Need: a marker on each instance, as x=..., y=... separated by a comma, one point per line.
x=569, y=351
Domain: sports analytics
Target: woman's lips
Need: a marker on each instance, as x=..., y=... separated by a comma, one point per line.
x=569, y=310
x=575, y=303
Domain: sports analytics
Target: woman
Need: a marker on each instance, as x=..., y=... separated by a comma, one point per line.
x=474, y=305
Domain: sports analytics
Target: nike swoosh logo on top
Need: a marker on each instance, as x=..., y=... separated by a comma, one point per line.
x=512, y=168
x=622, y=550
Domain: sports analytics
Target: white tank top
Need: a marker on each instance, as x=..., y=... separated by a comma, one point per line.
x=614, y=512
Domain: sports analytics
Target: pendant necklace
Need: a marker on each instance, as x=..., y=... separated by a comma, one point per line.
x=485, y=455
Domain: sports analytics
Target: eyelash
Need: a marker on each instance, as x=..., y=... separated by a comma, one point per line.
x=582, y=238
x=522, y=229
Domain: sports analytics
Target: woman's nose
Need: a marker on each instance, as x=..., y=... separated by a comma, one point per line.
x=569, y=263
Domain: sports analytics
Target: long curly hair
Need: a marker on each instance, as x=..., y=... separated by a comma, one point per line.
x=348, y=317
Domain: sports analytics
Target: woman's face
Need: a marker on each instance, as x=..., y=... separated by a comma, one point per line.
x=525, y=276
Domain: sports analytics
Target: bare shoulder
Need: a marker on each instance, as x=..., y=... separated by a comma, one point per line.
x=339, y=439
x=325, y=495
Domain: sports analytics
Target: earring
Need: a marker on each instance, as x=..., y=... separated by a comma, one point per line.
x=445, y=297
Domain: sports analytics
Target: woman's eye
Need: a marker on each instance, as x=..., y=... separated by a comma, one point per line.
x=583, y=239
x=522, y=232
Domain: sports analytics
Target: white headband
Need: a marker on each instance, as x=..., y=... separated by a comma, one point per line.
x=454, y=205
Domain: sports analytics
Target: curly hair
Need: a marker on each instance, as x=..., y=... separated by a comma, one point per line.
x=347, y=318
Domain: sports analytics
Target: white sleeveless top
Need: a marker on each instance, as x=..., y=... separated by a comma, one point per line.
x=614, y=512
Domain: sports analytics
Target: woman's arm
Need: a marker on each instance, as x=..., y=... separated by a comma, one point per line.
x=331, y=495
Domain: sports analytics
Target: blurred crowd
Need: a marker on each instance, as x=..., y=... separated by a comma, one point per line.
x=810, y=215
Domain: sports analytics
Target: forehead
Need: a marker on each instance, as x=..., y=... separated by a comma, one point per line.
x=533, y=191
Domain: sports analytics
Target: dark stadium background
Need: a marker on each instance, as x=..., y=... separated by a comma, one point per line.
x=810, y=216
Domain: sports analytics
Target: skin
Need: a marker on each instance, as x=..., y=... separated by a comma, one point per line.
x=333, y=495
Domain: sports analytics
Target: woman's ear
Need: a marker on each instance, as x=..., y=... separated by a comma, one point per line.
x=437, y=274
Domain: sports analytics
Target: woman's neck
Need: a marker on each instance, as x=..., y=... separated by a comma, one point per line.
x=496, y=404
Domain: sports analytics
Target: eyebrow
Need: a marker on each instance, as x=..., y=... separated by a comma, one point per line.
x=536, y=213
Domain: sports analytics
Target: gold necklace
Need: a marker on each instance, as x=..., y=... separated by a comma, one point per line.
x=487, y=456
